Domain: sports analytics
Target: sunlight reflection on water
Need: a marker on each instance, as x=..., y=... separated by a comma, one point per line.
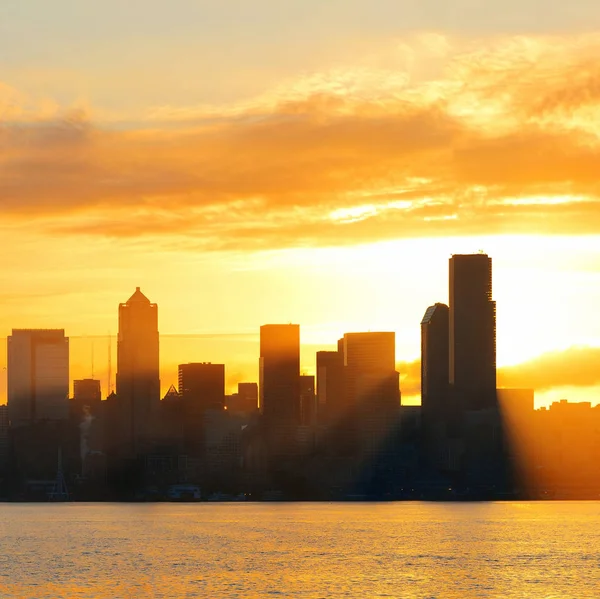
x=352, y=550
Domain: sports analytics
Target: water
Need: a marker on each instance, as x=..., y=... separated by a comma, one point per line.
x=352, y=550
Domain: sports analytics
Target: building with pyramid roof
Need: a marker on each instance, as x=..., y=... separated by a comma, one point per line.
x=138, y=379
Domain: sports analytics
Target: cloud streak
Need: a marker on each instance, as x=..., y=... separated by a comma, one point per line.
x=500, y=140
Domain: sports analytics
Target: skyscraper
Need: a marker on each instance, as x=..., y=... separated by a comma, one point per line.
x=248, y=397
x=138, y=380
x=38, y=376
x=308, y=403
x=202, y=386
x=434, y=361
x=87, y=390
x=331, y=405
x=472, y=331
x=279, y=386
x=372, y=386
x=87, y=398
x=3, y=439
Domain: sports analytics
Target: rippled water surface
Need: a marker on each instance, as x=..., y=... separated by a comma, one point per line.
x=352, y=550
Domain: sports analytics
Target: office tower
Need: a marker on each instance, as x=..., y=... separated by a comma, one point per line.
x=370, y=369
x=38, y=376
x=3, y=439
x=308, y=407
x=434, y=361
x=280, y=372
x=370, y=352
x=87, y=390
x=138, y=381
x=372, y=387
x=248, y=394
x=472, y=331
x=202, y=389
x=87, y=398
x=202, y=386
x=331, y=404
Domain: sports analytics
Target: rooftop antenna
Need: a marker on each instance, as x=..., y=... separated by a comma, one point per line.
x=92, y=357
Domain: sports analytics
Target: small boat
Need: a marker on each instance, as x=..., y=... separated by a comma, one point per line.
x=183, y=493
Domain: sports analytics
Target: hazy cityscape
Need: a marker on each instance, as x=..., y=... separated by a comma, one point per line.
x=343, y=434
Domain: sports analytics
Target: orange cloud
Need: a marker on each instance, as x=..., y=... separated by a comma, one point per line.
x=573, y=367
x=463, y=153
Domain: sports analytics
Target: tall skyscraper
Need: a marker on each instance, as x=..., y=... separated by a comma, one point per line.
x=38, y=376
x=202, y=386
x=434, y=361
x=472, y=331
x=279, y=385
x=3, y=439
x=202, y=389
x=372, y=386
x=138, y=379
x=308, y=402
x=331, y=404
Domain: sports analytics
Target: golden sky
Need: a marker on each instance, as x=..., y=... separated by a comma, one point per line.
x=313, y=163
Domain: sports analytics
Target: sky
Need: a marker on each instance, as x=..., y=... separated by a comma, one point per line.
x=309, y=162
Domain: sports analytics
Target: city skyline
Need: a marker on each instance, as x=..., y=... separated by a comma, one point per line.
x=299, y=298
x=344, y=429
x=382, y=138
x=548, y=375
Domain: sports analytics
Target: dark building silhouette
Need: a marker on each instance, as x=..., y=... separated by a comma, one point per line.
x=434, y=361
x=308, y=400
x=3, y=441
x=86, y=408
x=438, y=422
x=86, y=394
x=248, y=397
x=87, y=390
x=38, y=376
x=331, y=404
x=138, y=379
x=372, y=387
x=472, y=331
x=245, y=401
x=280, y=372
x=202, y=386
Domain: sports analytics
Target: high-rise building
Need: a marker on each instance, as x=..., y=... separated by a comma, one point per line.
x=202, y=386
x=202, y=389
x=372, y=386
x=87, y=390
x=331, y=404
x=3, y=439
x=434, y=361
x=308, y=405
x=472, y=331
x=138, y=379
x=370, y=352
x=279, y=386
x=87, y=398
x=38, y=376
